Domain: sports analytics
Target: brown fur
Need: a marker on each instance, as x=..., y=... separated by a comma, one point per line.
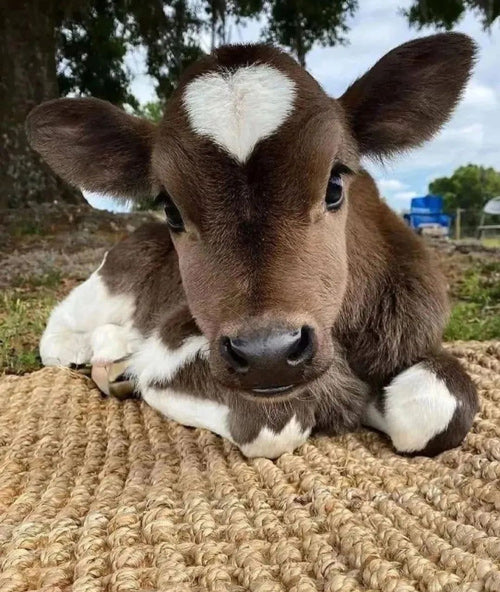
x=395, y=305
x=331, y=404
x=70, y=135
x=258, y=248
x=451, y=372
x=417, y=83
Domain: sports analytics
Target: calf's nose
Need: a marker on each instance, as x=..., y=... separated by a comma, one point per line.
x=269, y=361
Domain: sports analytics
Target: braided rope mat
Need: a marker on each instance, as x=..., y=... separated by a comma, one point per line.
x=100, y=495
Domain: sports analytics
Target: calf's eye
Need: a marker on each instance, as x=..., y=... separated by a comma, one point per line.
x=174, y=218
x=334, y=192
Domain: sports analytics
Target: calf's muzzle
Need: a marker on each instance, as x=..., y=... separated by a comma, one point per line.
x=269, y=361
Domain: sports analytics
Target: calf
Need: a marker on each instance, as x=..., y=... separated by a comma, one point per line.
x=282, y=296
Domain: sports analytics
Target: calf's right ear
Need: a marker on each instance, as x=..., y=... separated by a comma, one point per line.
x=95, y=146
x=407, y=95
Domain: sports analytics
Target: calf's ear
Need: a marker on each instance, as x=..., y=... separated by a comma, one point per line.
x=408, y=94
x=95, y=146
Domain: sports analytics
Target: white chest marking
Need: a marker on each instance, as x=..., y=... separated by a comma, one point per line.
x=238, y=109
x=418, y=406
x=190, y=411
x=271, y=444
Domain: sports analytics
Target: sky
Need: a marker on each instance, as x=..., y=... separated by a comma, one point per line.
x=471, y=136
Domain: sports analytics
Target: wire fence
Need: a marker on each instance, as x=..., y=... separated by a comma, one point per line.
x=473, y=223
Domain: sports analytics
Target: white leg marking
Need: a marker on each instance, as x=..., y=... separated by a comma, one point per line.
x=238, y=109
x=374, y=418
x=155, y=361
x=418, y=406
x=102, y=262
x=269, y=444
x=67, y=337
x=63, y=348
x=190, y=411
x=113, y=342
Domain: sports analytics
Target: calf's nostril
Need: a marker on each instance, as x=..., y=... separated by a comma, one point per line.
x=233, y=354
x=268, y=350
x=303, y=348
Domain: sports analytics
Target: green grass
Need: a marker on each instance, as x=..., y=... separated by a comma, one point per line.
x=23, y=315
x=26, y=228
x=476, y=304
x=51, y=279
x=493, y=241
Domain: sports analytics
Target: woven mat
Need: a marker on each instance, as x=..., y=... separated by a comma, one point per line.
x=102, y=495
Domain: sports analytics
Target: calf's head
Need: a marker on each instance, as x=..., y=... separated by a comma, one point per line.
x=253, y=162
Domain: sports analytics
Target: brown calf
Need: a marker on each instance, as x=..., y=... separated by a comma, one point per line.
x=282, y=295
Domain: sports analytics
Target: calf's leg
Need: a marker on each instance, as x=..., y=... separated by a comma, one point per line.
x=427, y=408
x=171, y=372
x=89, y=325
x=259, y=429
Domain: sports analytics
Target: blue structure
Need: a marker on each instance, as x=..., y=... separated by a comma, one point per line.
x=426, y=216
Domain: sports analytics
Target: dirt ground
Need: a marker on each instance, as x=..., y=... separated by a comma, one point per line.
x=46, y=250
x=57, y=238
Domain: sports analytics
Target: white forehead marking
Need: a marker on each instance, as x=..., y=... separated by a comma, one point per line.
x=238, y=109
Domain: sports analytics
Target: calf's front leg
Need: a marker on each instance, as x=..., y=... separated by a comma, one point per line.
x=90, y=325
x=173, y=376
x=427, y=408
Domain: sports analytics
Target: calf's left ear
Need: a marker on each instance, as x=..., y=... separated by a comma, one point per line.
x=94, y=146
x=409, y=93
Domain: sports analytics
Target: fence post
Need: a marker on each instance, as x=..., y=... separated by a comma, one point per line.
x=458, y=223
x=479, y=231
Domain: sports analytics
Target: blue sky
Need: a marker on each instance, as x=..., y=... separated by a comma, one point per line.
x=472, y=135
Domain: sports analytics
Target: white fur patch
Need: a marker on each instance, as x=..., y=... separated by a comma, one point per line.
x=155, y=361
x=269, y=444
x=190, y=411
x=113, y=342
x=102, y=262
x=418, y=406
x=374, y=418
x=238, y=109
x=67, y=337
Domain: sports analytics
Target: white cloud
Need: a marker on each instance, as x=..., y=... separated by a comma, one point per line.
x=404, y=196
x=472, y=134
x=480, y=96
x=390, y=185
x=104, y=202
x=401, y=200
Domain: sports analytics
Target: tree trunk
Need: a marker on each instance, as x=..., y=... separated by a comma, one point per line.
x=301, y=54
x=299, y=44
x=27, y=77
x=213, y=24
